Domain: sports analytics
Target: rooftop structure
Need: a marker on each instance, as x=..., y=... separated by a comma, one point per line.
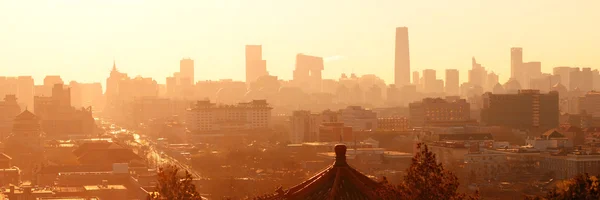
x=338, y=181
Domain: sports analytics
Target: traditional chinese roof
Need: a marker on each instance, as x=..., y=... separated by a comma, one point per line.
x=107, y=156
x=89, y=146
x=103, y=153
x=552, y=133
x=26, y=115
x=338, y=181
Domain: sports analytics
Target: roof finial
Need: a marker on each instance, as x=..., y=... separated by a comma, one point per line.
x=340, y=154
x=114, y=65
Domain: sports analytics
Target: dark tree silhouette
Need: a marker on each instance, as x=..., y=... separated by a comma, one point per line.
x=173, y=186
x=425, y=179
x=582, y=186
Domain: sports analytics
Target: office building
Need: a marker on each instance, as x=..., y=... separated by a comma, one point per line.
x=186, y=72
x=335, y=132
x=596, y=79
x=393, y=95
x=402, y=58
x=516, y=60
x=452, y=82
x=8, y=86
x=305, y=126
x=359, y=118
x=439, y=112
x=533, y=69
x=429, y=80
x=392, y=124
x=525, y=110
x=564, y=73
x=491, y=81
x=570, y=165
x=307, y=74
x=9, y=109
x=581, y=79
x=477, y=74
x=590, y=104
x=205, y=117
x=587, y=79
x=255, y=65
x=25, y=91
x=415, y=78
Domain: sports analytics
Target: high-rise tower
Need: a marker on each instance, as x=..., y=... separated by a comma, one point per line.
x=452, y=82
x=516, y=60
x=255, y=65
x=186, y=71
x=402, y=58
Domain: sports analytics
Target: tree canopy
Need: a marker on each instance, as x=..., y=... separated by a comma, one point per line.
x=425, y=179
x=173, y=186
x=582, y=186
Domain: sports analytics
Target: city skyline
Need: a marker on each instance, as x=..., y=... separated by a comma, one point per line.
x=273, y=100
x=373, y=54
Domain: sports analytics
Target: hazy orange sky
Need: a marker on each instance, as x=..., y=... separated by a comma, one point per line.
x=79, y=39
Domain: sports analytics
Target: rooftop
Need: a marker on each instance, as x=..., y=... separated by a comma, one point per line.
x=104, y=187
x=337, y=181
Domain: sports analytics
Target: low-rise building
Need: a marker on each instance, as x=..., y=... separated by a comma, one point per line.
x=485, y=165
x=392, y=124
x=565, y=166
x=205, y=116
x=526, y=110
x=335, y=131
x=435, y=111
x=590, y=103
x=551, y=140
x=305, y=126
x=359, y=118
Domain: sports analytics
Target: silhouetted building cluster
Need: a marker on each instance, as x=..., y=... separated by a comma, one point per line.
x=59, y=118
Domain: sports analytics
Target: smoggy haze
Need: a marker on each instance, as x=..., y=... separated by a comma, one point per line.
x=81, y=38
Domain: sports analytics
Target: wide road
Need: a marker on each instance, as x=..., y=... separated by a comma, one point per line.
x=155, y=156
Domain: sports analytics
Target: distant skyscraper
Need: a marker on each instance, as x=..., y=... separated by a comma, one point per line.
x=186, y=70
x=516, y=59
x=596, y=79
x=402, y=58
x=307, y=74
x=491, y=81
x=529, y=71
x=112, y=83
x=415, y=78
x=452, y=83
x=255, y=65
x=564, y=74
x=477, y=74
x=429, y=80
x=587, y=79
x=25, y=91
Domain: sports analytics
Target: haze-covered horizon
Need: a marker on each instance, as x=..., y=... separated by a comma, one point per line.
x=79, y=40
